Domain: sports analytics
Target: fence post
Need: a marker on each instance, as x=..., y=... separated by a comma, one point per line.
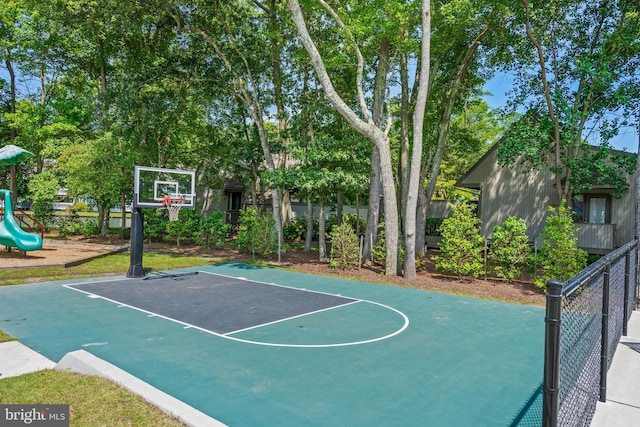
x=553, y=320
x=627, y=270
x=604, y=343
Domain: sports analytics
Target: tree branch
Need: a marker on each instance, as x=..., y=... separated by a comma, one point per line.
x=360, y=59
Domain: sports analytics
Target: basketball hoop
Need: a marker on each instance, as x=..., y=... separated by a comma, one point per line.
x=172, y=205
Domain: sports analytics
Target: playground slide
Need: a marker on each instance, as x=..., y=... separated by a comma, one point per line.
x=11, y=235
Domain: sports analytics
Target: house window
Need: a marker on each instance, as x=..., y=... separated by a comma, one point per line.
x=235, y=201
x=592, y=208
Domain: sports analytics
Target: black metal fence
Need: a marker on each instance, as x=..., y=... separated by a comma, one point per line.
x=585, y=319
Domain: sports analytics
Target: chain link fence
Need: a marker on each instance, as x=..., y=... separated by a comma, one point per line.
x=585, y=319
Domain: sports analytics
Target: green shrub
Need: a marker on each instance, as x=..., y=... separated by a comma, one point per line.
x=73, y=210
x=357, y=223
x=155, y=224
x=509, y=250
x=213, y=230
x=350, y=218
x=296, y=228
x=344, y=246
x=560, y=256
x=90, y=227
x=461, y=245
x=68, y=226
x=256, y=233
x=185, y=228
x=379, y=250
x=43, y=189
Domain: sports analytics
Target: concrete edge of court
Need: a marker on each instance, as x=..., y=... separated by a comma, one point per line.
x=83, y=362
x=18, y=359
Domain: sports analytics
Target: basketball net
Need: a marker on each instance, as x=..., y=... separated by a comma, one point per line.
x=172, y=206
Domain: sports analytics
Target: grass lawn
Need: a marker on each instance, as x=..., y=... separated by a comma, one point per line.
x=4, y=337
x=93, y=401
x=112, y=264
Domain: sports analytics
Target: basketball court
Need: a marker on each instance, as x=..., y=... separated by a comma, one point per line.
x=257, y=346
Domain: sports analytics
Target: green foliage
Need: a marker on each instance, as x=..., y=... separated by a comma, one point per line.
x=350, y=218
x=560, y=256
x=356, y=222
x=589, y=93
x=296, y=228
x=213, y=230
x=43, y=189
x=344, y=246
x=185, y=228
x=461, y=245
x=68, y=226
x=90, y=227
x=379, y=250
x=155, y=224
x=256, y=234
x=432, y=226
x=509, y=250
x=73, y=210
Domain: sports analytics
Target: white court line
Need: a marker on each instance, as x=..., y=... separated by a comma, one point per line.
x=278, y=286
x=267, y=344
x=291, y=318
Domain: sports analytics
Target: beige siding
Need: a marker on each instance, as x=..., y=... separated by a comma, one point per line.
x=623, y=214
x=525, y=195
x=596, y=237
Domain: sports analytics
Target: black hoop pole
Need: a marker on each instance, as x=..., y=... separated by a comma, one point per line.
x=553, y=319
x=136, y=245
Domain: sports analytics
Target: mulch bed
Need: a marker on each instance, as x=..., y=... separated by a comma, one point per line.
x=521, y=292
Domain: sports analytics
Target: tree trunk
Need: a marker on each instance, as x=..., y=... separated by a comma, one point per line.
x=12, y=134
x=253, y=185
x=123, y=217
x=421, y=222
x=103, y=219
x=416, y=157
x=390, y=205
x=373, y=215
x=322, y=244
x=365, y=127
x=12, y=86
x=403, y=165
x=432, y=167
x=309, y=236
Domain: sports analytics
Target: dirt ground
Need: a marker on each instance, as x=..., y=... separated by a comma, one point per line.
x=522, y=292
x=58, y=252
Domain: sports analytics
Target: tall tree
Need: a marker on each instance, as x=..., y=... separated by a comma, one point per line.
x=578, y=80
x=416, y=157
x=361, y=121
x=234, y=34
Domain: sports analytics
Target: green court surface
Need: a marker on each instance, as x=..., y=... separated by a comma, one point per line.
x=392, y=357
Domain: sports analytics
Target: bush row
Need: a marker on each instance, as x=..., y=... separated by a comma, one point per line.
x=509, y=253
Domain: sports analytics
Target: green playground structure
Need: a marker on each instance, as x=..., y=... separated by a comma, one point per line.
x=11, y=235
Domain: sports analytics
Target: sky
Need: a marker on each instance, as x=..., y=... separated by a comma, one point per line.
x=499, y=86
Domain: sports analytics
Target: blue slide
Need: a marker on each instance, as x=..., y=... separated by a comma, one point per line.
x=11, y=235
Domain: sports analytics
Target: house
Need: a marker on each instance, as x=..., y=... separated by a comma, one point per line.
x=604, y=222
x=230, y=199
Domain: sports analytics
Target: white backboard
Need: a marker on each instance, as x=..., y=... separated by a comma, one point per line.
x=151, y=185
